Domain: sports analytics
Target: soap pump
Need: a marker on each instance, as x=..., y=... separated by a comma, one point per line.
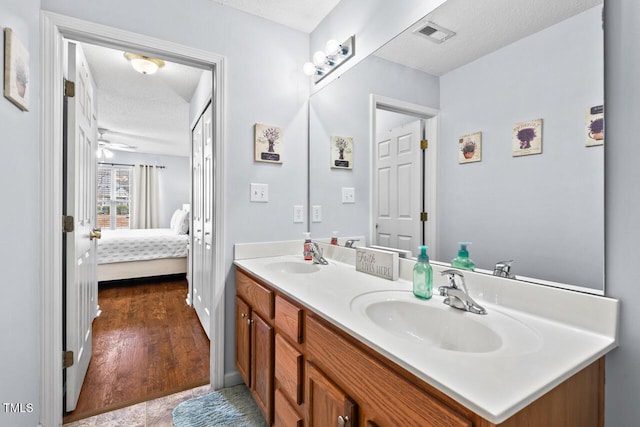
x=422, y=275
x=307, y=250
x=462, y=261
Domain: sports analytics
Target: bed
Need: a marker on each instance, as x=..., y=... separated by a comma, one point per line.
x=134, y=253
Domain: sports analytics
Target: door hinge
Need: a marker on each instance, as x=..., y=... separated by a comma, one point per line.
x=67, y=359
x=67, y=223
x=69, y=88
x=424, y=144
x=424, y=216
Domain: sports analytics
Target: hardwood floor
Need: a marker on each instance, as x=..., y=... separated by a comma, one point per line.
x=147, y=343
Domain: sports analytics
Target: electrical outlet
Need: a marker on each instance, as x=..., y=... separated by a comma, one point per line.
x=298, y=213
x=259, y=193
x=348, y=195
x=316, y=213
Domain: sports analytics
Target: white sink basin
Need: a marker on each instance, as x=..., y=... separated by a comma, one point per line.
x=435, y=324
x=294, y=267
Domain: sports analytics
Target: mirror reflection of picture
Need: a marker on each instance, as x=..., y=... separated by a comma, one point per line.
x=595, y=126
x=470, y=148
x=342, y=152
x=16, y=71
x=527, y=138
x=268, y=142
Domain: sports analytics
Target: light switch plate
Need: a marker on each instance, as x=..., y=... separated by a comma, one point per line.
x=259, y=193
x=348, y=195
x=316, y=213
x=298, y=213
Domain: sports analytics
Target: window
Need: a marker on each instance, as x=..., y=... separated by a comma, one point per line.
x=113, y=196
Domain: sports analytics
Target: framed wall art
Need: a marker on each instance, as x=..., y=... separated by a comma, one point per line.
x=342, y=152
x=16, y=71
x=268, y=142
x=595, y=126
x=470, y=148
x=527, y=138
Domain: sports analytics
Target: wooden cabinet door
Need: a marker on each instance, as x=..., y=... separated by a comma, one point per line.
x=327, y=404
x=243, y=340
x=262, y=349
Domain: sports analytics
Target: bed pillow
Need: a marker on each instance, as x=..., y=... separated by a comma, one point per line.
x=174, y=218
x=182, y=224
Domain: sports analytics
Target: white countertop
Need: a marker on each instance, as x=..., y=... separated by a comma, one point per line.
x=567, y=330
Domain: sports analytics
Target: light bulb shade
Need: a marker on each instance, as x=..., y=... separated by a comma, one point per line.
x=332, y=47
x=319, y=58
x=144, y=64
x=309, y=69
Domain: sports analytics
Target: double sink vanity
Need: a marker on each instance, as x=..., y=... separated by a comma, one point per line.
x=323, y=345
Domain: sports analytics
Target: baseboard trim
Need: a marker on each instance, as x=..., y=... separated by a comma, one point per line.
x=233, y=378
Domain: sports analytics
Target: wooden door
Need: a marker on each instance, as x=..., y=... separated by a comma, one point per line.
x=262, y=350
x=327, y=404
x=243, y=340
x=398, y=187
x=80, y=280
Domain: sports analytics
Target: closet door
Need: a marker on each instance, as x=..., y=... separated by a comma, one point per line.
x=207, y=217
x=197, y=212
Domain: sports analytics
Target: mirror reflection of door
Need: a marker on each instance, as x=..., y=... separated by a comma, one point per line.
x=399, y=185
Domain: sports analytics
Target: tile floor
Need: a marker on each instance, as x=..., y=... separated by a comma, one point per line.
x=154, y=413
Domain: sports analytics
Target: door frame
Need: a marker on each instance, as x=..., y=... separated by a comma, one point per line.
x=432, y=119
x=53, y=27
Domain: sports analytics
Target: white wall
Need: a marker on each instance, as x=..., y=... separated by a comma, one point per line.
x=20, y=229
x=543, y=209
x=622, y=208
x=174, y=179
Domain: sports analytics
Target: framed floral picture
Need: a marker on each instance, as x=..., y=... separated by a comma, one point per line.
x=595, y=126
x=16, y=71
x=527, y=138
x=470, y=148
x=342, y=152
x=268, y=142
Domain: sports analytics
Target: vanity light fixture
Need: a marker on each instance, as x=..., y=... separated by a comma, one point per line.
x=144, y=64
x=334, y=55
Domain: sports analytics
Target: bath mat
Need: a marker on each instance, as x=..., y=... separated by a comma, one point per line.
x=232, y=407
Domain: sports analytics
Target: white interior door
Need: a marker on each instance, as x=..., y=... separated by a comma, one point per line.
x=207, y=218
x=80, y=281
x=398, y=187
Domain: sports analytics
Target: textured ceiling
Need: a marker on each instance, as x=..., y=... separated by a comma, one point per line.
x=481, y=27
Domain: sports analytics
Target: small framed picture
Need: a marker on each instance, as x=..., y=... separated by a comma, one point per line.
x=342, y=152
x=527, y=138
x=16, y=71
x=470, y=148
x=595, y=126
x=268, y=142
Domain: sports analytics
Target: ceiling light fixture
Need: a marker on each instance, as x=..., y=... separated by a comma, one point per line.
x=144, y=64
x=335, y=54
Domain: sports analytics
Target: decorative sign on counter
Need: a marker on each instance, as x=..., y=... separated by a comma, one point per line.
x=377, y=263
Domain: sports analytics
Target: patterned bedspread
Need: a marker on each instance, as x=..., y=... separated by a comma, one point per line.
x=141, y=245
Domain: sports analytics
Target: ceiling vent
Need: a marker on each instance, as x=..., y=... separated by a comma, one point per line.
x=435, y=33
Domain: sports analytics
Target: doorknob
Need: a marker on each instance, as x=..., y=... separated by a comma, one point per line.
x=96, y=233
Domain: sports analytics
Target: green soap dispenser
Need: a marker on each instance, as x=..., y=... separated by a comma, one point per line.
x=462, y=261
x=422, y=275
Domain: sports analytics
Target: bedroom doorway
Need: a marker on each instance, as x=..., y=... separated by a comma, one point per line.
x=54, y=29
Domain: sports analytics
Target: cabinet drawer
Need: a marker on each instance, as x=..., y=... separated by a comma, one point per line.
x=257, y=296
x=285, y=415
x=289, y=319
x=288, y=369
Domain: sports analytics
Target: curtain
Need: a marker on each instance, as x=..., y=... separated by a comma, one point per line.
x=145, y=195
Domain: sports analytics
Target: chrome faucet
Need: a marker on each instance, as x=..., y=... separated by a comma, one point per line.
x=459, y=297
x=349, y=243
x=316, y=254
x=503, y=269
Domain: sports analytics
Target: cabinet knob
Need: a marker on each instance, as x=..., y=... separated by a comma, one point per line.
x=243, y=315
x=343, y=421
x=249, y=321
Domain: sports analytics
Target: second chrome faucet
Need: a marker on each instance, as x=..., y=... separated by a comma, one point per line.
x=458, y=296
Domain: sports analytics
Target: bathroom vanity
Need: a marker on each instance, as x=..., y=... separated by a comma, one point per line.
x=327, y=345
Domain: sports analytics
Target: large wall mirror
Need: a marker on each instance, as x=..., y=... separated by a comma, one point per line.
x=511, y=65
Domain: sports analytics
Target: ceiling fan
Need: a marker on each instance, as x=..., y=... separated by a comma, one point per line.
x=105, y=146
